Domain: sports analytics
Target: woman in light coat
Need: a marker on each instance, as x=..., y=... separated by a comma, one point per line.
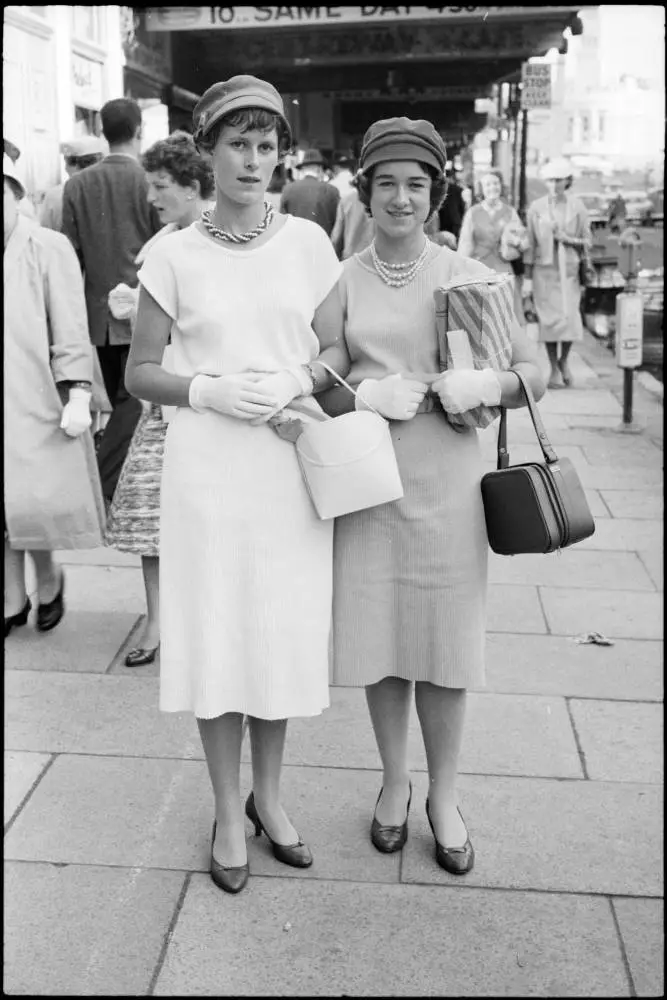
x=559, y=236
x=53, y=498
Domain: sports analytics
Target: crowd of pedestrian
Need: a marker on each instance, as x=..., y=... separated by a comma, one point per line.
x=199, y=292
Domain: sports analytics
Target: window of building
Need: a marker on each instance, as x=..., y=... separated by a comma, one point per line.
x=87, y=24
x=601, y=126
x=570, y=129
x=87, y=121
x=585, y=128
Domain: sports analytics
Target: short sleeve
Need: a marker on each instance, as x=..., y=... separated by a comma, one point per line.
x=158, y=277
x=324, y=268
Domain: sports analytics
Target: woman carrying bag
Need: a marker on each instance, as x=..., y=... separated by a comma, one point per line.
x=559, y=235
x=410, y=576
x=248, y=298
x=492, y=233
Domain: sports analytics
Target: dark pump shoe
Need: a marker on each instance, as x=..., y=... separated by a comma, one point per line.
x=389, y=839
x=21, y=618
x=49, y=615
x=138, y=657
x=455, y=860
x=227, y=879
x=297, y=855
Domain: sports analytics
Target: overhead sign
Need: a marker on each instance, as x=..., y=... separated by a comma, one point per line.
x=87, y=90
x=536, y=89
x=195, y=18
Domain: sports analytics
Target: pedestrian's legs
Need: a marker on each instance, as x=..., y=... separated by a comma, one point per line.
x=555, y=380
x=49, y=575
x=221, y=738
x=389, y=704
x=441, y=714
x=121, y=426
x=150, y=636
x=267, y=742
x=563, y=362
x=110, y=365
x=15, y=590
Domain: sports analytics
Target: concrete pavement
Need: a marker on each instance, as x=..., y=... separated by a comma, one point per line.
x=108, y=808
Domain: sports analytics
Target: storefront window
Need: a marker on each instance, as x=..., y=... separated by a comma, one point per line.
x=86, y=24
x=87, y=122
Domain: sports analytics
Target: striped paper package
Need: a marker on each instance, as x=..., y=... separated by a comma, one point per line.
x=474, y=319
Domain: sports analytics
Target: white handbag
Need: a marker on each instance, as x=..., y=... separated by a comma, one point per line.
x=348, y=462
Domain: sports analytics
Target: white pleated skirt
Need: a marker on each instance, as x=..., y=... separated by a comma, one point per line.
x=410, y=577
x=245, y=574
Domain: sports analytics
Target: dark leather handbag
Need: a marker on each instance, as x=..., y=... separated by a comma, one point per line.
x=536, y=506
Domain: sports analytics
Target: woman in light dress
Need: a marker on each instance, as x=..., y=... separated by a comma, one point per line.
x=180, y=185
x=492, y=233
x=559, y=236
x=52, y=497
x=248, y=298
x=410, y=577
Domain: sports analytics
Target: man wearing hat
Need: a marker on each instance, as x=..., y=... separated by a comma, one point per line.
x=343, y=176
x=79, y=153
x=311, y=197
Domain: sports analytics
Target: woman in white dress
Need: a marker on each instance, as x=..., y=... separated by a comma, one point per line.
x=248, y=298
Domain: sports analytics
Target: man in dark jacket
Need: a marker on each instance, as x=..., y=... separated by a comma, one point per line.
x=311, y=197
x=107, y=217
x=452, y=210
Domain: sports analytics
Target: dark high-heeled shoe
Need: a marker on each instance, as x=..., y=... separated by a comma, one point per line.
x=455, y=860
x=297, y=855
x=390, y=838
x=20, y=618
x=139, y=656
x=227, y=879
x=49, y=615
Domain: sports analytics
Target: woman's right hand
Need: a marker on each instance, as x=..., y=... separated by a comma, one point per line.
x=233, y=395
x=123, y=301
x=394, y=397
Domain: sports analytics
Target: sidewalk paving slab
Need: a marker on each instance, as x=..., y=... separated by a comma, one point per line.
x=84, y=642
x=642, y=923
x=573, y=568
x=647, y=504
x=514, y=609
x=332, y=939
x=621, y=614
x=84, y=931
x=21, y=771
x=621, y=741
x=555, y=664
x=654, y=560
x=625, y=534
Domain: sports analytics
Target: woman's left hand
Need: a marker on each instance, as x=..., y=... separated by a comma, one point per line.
x=76, y=418
x=282, y=386
x=465, y=389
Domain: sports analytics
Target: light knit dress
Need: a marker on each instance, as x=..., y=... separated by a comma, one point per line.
x=410, y=576
x=245, y=564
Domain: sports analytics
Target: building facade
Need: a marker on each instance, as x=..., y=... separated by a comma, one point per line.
x=60, y=65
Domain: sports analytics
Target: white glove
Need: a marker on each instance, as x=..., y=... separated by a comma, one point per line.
x=284, y=386
x=527, y=287
x=76, y=416
x=465, y=389
x=234, y=395
x=394, y=396
x=123, y=301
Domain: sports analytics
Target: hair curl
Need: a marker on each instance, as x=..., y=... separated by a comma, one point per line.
x=84, y=161
x=364, y=185
x=179, y=156
x=248, y=120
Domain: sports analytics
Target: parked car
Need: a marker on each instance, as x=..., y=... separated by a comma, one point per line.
x=596, y=206
x=637, y=207
x=655, y=215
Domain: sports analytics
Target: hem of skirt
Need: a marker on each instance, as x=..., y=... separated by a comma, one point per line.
x=133, y=550
x=268, y=717
x=470, y=684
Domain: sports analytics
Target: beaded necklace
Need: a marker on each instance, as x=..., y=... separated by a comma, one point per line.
x=222, y=234
x=398, y=275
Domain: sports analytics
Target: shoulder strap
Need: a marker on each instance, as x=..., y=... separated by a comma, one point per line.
x=547, y=450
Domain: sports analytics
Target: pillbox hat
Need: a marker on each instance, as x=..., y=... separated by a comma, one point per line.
x=236, y=94
x=83, y=145
x=402, y=139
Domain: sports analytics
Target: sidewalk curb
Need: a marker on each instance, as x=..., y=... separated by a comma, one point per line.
x=651, y=384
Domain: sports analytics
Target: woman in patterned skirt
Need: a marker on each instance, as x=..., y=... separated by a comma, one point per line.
x=410, y=576
x=180, y=186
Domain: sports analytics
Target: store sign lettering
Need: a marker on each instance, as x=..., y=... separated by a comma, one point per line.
x=191, y=18
x=86, y=82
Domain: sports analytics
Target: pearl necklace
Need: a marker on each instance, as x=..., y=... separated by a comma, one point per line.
x=398, y=275
x=222, y=234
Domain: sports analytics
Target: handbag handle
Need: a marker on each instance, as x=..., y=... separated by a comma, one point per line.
x=347, y=385
x=547, y=450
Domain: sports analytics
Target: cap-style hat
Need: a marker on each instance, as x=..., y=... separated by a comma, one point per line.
x=312, y=158
x=83, y=145
x=402, y=139
x=557, y=170
x=234, y=95
x=9, y=171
